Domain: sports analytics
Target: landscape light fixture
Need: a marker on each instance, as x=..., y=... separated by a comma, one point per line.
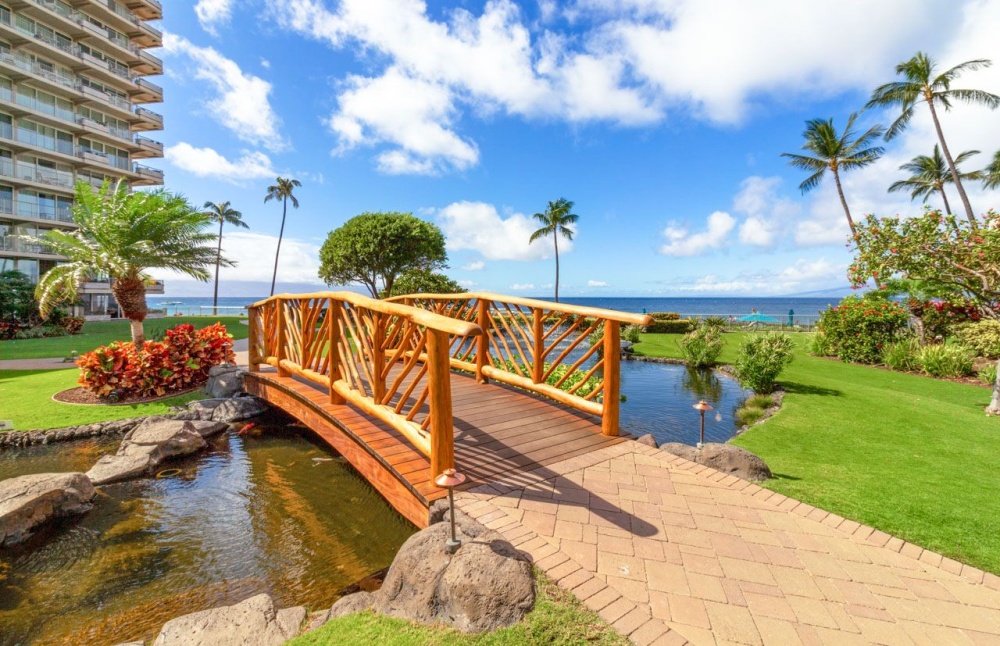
x=702, y=406
x=450, y=479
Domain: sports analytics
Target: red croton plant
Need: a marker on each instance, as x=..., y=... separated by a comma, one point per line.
x=180, y=362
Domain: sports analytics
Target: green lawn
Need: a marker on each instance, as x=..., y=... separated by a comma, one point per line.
x=558, y=619
x=26, y=399
x=910, y=455
x=98, y=333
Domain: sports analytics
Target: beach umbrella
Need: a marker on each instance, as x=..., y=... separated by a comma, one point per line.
x=757, y=317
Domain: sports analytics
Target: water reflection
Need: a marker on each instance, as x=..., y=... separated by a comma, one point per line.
x=703, y=383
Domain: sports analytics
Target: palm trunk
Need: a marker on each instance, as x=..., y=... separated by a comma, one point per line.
x=281, y=234
x=218, y=261
x=843, y=202
x=994, y=407
x=556, y=240
x=944, y=196
x=951, y=165
x=131, y=296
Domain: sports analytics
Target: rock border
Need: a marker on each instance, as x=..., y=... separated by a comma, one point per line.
x=21, y=439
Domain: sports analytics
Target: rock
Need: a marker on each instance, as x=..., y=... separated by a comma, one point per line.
x=225, y=380
x=486, y=585
x=648, y=440
x=239, y=409
x=29, y=501
x=252, y=622
x=198, y=410
x=150, y=443
x=726, y=458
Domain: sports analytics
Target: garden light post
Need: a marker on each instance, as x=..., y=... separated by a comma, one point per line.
x=450, y=479
x=702, y=406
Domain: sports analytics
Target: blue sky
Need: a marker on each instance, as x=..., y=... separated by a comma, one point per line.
x=663, y=120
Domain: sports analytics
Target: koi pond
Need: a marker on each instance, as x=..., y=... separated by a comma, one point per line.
x=276, y=513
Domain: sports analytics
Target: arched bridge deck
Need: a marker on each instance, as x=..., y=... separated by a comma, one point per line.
x=404, y=393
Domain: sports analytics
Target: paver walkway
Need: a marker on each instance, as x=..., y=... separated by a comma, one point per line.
x=670, y=552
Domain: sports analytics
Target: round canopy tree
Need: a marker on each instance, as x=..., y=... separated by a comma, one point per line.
x=373, y=249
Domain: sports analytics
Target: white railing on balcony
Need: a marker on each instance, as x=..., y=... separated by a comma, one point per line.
x=35, y=173
x=28, y=209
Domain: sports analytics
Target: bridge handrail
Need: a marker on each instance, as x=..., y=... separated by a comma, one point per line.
x=389, y=360
x=520, y=335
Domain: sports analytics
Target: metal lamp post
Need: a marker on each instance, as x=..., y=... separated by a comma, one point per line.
x=450, y=479
x=702, y=406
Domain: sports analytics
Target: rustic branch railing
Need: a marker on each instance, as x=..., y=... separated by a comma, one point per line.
x=391, y=361
x=565, y=352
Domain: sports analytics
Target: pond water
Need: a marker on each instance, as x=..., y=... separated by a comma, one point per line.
x=275, y=513
x=659, y=400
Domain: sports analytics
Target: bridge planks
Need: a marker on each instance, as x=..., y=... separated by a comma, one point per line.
x=498, y=431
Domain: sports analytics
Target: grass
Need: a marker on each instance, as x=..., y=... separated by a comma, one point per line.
x=26, y=399
x=912, y=456
x=558, y=619
x=98, y=333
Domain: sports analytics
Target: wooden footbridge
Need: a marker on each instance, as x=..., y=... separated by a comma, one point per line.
x=402, y=388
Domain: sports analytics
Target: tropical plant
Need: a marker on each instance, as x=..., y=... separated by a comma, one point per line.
x=988, y=374
x=930, y=174
x=17, y=299
x=283, y=189
x=946, y=360
x=991, y=174
x=835, y=152
x=901, y=355
x=556, y=221
x=702, y=346
x=121, y=235
x=631, y=333
x=859, y=328
x=761, y=358
x=424, y=281
x=821, y=346
x=374, y=249
x=922, y=83
x=222, y=213
x=982, y=337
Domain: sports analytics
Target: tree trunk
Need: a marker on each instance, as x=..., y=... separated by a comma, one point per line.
x=281, y=233
x=218, y=261
x=994, y=407
x=131, y=296
x=951, y=165
x=947, y=207
x=555, y=239
x=843, y=201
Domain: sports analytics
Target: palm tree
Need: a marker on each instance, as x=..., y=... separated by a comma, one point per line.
x=223, y=214
x=991, y=174
x=555, y=222
x=121, y=235
x=835, y=152
x=281, y=190
x=922, y=84
x=930, y=174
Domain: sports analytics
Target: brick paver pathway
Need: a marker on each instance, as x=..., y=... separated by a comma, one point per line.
x=672, y=552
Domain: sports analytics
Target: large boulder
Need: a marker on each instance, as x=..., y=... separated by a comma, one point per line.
x=225, y=380
x=29, y=501
x=487, y=584
x=150, y=443
x=197, y=410
x=727, y=458
x=239, y=409
x=252, y=622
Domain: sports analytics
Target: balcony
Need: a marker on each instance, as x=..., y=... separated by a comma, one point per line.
x=147, y=176
x=22, y=172
x=144, y=91
x=145, y=9
x=146, y=148
x=147, y=35
x=20, y=67
x=148, y=120
x=147, y=64
x=19, y=209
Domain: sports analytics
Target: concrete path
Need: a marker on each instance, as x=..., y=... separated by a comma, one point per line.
x=240, y=346
x=671, y=552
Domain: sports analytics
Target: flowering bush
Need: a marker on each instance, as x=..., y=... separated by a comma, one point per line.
x=8, y=330
x=179, y=362
x=859, y=328
x=939, y=317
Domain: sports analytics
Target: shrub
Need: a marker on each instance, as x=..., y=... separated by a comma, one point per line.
x=859, y=328
x=759, y=401
x=939, y=317
x=180, y=361
x=72, y=324
x=982, y=337
x=17, y=299
x=988, y=374
x=9, y=330
x=750, y=414
x=670, y=326
x=715, y=321
x=760, y=360
x=821, y=346
x=701, y=347
x=631, y=333
x=901, y=355
x=40, y=332
x=946, y=360
x=665, y=316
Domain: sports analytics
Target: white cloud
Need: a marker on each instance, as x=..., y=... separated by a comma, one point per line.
x=479, y=227
x=477, y=265
x=206, y=162
x=254, y=255
x=266, y=64
x=597, y=283
x=767, y=214
x=468, y=284
x=520, y=287
x=212, y=13
x=242, y=101
x=681, y=243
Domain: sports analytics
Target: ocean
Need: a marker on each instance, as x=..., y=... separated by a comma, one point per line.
x=806, y=310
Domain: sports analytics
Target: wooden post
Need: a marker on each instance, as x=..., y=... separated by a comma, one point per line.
x=612, y=377
x=483, y=343
x=378, y=356
x=442, y=426
x=333, y=314
x=280, y=351
x=254, y=336
x=538, y=369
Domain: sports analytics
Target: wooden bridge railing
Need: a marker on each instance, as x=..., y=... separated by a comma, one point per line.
x=392, y=361
x=565, y=352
